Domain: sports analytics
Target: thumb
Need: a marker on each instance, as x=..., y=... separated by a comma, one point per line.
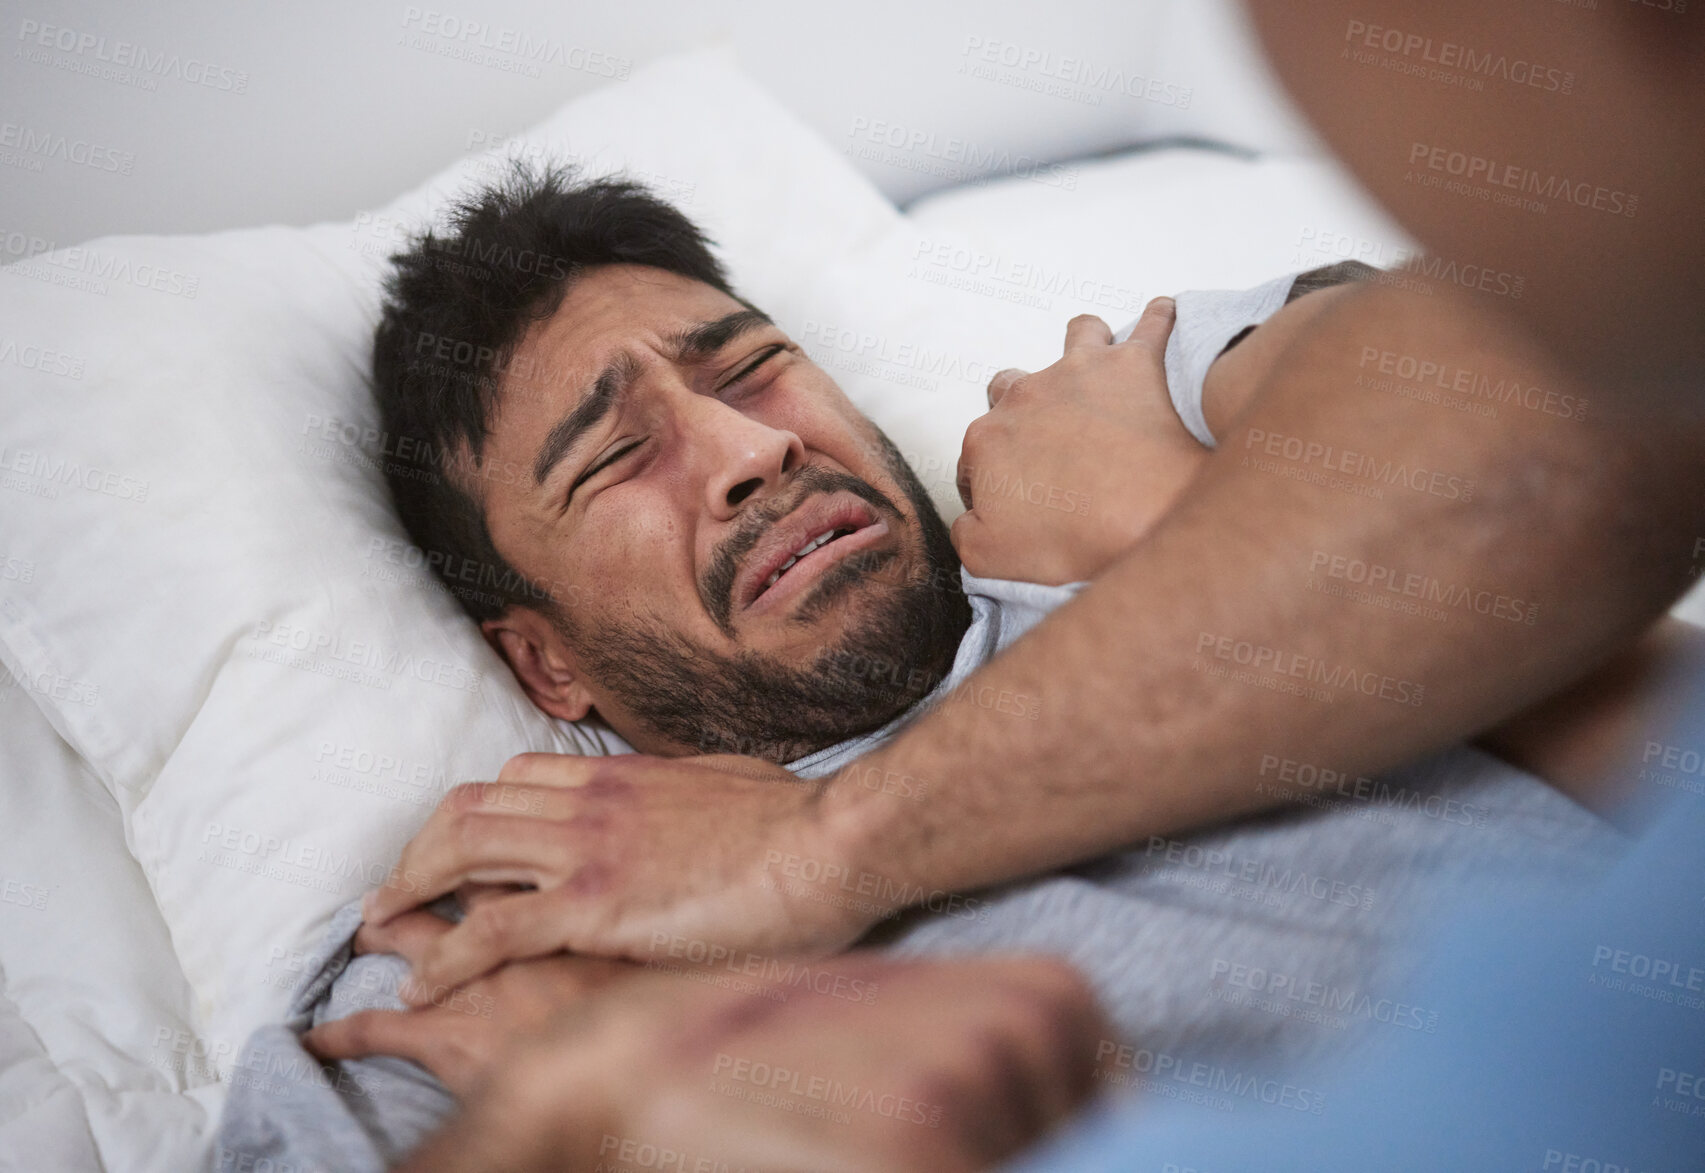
x=1002, y=383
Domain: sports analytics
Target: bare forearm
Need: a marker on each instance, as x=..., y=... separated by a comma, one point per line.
x=1582, y=738
x=1209, y=649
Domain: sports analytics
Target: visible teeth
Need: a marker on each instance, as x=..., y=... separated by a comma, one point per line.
x=821, y=539
x=813, y=544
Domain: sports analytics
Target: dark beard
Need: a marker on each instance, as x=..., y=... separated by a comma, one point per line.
x=747, y=703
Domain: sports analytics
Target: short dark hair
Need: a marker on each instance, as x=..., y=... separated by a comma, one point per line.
x=457, y=304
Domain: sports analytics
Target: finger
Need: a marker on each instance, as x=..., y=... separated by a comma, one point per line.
x=1002, y=383
x=967, y=534
x=469, y=895
x=472, y=1141
x=457, y=846
x=1087, y=330
x=1055, y=1027
x=410, y=1034
x=492, y=1134
x=540, y=801
x=547, y=769
x=407, y=935
x=508, y=928
x=1153, y=328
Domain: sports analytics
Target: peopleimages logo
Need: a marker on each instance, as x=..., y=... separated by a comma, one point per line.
x=46, y=144
x=483, y=43
x=1261, y=658
x=1090, y=79
x=972, y=158
x=1157, y=1071
x=1525, y=181
x=1423, y=587
x=128, y=55
x=1332, y=459
x=45, y=474
x=1452, y=58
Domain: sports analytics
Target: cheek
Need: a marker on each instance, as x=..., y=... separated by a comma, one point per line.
x=812, y=406
x=634, y=555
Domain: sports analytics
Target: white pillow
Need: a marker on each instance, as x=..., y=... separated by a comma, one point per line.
x=223, y=616
x=986, y=276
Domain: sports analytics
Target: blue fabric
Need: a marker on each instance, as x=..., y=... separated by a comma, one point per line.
x=1551, y=1054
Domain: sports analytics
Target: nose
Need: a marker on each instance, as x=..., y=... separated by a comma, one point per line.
x=745, y=457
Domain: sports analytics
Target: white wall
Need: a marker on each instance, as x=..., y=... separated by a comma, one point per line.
x=341, y=107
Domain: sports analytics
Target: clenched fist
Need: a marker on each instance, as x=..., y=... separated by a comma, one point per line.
x=952, y=1067
x=1073, y=464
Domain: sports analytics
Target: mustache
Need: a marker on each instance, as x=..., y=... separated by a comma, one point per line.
x=716, y=584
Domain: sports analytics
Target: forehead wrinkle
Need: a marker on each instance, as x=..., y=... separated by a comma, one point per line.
x=706, y=338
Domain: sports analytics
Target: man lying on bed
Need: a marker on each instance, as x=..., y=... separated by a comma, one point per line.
x=667, y=505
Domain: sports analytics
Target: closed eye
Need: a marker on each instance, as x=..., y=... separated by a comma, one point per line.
x=763, y=357
x=601, y=466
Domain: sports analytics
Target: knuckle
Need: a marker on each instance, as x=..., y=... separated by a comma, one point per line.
x=520, y=765
x=489, y=924
x=465, y=830
x=1055, y=1009
x=1057, y=982
x=354, y=1033
x=371, y=939
x=968, y=544
x=466, y=797
x=949, y=1088
x=976, y=438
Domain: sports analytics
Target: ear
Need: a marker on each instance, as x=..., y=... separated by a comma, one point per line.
x=542, y=662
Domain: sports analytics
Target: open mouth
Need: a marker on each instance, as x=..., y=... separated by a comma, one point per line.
x=815, y=543
x=804, y=545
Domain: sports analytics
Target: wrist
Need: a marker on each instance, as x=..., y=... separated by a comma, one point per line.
x=559, y=1093
x=865, y=814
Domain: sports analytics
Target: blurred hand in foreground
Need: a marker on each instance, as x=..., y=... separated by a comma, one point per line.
x=950, y=1066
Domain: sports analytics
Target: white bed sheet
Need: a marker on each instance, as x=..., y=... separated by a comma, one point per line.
x=101, y=1062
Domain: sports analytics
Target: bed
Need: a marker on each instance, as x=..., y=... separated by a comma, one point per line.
x=232, y=687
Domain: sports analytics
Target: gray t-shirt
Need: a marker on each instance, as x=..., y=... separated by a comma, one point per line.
x=1220, y=957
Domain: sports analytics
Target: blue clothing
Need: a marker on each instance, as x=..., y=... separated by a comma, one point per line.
x=1571, y=1038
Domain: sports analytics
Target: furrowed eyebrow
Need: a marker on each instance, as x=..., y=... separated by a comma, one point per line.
x=706, y=338
x=691, y=344
x=587, y=414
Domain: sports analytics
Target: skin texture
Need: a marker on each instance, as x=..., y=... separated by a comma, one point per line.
x=564, y=825
x=679, y=1065
x=1232, y=561
x=1007, y=535
x=716, y=828
x=1629, y=124
x=1550, y=502
x=459, y=1038
x=1596, y=524
x=645, y=558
